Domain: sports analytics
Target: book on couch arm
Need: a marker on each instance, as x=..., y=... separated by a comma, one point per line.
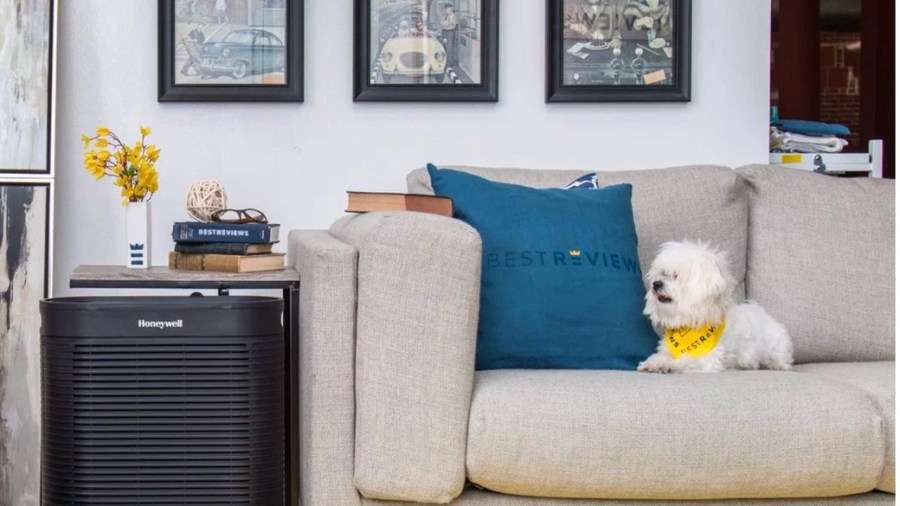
x=223, y=248
x=366, y=202
x=226, y=263
x=254, y=233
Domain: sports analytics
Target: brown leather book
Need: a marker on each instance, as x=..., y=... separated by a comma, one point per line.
x=365, y=202
x=226, y=263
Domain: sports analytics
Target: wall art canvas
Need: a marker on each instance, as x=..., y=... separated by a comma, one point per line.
x=249, y=49
x=619, y=50
x=426, y=49
x=24, y=246
x=25, y=61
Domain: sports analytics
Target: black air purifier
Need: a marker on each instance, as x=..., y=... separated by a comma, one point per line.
x=162, y=400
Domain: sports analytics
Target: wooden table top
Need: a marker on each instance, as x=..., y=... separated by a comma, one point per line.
x=114, y=276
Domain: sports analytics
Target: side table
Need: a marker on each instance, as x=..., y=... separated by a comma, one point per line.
x=288, y=280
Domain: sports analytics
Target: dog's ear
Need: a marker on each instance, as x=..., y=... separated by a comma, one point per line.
x=723, y=265
x=711, y=278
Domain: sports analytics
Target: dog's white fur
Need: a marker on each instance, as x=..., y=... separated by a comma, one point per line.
x=690, y=285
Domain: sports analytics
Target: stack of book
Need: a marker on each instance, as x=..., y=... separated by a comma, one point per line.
x=225, y=247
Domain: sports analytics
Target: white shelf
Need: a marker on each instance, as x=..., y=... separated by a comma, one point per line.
x=834, y=163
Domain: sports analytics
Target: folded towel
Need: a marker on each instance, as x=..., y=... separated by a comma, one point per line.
x=810, y=127
x=789, y=142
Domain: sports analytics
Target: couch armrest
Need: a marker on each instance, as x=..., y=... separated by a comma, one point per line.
x=327, y=269
x=418, y=291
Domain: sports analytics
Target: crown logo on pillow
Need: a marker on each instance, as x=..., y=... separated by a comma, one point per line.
x=575, y=252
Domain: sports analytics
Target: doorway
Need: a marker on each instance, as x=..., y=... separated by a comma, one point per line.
x=833, y=61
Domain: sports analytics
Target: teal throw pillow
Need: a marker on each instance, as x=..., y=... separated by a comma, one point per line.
x=561, y=283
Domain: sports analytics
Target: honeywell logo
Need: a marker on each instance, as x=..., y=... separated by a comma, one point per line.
x=171, y=324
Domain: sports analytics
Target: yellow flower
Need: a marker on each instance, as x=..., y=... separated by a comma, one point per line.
x=130, y=167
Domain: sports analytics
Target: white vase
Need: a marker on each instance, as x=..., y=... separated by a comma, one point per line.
x=137, y=222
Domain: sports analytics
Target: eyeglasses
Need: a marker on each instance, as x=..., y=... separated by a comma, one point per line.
x=239, y=216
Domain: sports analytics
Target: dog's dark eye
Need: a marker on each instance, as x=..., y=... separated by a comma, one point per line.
x=667, y=274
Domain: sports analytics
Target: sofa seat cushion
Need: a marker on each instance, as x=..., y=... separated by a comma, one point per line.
x=877, y=380
x=630, y=435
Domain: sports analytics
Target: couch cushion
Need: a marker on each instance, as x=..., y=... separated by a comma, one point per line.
x=701, y=202
x=630, y=435
x=877, y=380
x=560, y=282
x=821, y=260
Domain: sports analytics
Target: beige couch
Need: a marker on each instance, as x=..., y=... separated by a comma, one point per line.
x=393, y=410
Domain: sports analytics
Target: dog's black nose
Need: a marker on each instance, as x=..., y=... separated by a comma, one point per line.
x=657, y=285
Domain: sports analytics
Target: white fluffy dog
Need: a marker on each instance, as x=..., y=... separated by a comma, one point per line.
x=691, y=297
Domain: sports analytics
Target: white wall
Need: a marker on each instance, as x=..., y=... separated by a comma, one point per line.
x=296, y=160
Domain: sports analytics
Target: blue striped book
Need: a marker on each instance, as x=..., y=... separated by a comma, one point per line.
x=253, y=233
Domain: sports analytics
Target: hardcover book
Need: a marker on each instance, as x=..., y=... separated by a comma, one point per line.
x=226, y=263
x=254, y=233
x=223, y=248
x=365, y=202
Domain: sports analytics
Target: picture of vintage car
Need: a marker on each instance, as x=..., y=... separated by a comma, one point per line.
x=417, y=55
x=243, y=52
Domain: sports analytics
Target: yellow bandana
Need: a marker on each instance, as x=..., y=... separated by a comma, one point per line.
x=694, y=342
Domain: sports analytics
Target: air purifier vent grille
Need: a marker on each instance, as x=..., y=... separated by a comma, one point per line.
x=163, y=420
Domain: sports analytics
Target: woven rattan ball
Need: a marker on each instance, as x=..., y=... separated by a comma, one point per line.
x=205, y=198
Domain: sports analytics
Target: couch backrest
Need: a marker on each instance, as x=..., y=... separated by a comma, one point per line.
x=700, y=202
x=821, y=260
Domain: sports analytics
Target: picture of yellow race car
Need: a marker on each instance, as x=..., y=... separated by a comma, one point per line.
x=418, y=55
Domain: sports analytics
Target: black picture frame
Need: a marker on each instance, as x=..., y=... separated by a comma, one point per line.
x=365, y=91
x=45, y=169
x=678, y=91
x=18, y=226
x=291, y=91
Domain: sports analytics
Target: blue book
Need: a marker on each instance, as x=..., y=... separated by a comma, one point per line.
x=253, y=233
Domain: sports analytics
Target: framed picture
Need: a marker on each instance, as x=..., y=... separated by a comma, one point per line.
x=426, y=50
x=26, y=87
x=26, y=232
x=230, y=50
x=25, y=241
x=619, y=51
